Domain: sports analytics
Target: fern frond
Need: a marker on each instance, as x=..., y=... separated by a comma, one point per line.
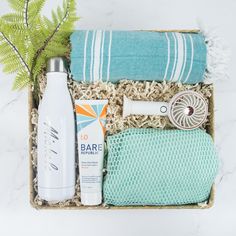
x=11, y=64
x=14, y=22
x=59, y=13
x=61, y=28
x=26, y=12
x=14, y=17
x=34, y=9
x=22, y=79
x=17, y=5
x=28, y=39
x=12, y=51
x=39, y=65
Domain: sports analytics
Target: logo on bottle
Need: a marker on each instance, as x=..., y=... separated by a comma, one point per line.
x=51, y=142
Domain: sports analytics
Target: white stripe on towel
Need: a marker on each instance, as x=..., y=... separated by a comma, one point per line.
x=85, y=48
x=109, y=57
x=97, y=47
x=185, y=58
x=102, y=49
x=168, y=57
x=180, y=57
x=91, y=61
x=175, y=58
x=192, y=54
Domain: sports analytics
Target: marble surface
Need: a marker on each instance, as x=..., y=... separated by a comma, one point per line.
x=16, y=214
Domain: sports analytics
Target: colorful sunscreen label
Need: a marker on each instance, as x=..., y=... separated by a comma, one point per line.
x=91, y=120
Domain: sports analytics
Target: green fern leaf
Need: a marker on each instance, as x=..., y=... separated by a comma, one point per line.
x=59, y=13
x=7, y=45
x=22, y=80
x=35, y=8
x=54, y=18
x=17, y=5
x=14, y=17
x=28, y=39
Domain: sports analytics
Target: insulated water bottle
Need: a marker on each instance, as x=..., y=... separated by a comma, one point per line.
x=56, y=137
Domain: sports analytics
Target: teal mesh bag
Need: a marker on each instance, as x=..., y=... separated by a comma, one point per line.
x=159, y=167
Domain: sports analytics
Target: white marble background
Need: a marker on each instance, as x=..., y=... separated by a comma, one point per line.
x=16, y=215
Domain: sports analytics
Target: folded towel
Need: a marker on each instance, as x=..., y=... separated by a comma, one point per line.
x=138, y=55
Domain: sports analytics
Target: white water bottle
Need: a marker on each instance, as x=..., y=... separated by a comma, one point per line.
x=56, y=137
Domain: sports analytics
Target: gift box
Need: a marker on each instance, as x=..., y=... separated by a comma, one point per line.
x=79, y=89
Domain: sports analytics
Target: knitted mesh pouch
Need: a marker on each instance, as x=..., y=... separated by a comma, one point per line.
x=159, y=167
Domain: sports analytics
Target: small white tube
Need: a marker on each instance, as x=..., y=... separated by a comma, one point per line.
x=91, y=119
x=144, y=108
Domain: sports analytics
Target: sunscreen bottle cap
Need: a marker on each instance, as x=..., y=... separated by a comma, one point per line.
x=91, y=199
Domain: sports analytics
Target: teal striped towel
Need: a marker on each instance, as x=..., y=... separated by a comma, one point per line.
x=99, y=55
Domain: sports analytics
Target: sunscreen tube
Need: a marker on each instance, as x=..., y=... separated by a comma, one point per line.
x=91, y=119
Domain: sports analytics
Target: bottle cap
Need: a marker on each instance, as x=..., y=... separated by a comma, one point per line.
x=56, y=64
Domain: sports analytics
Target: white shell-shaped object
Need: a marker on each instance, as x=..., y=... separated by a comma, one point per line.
x=188, y=110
